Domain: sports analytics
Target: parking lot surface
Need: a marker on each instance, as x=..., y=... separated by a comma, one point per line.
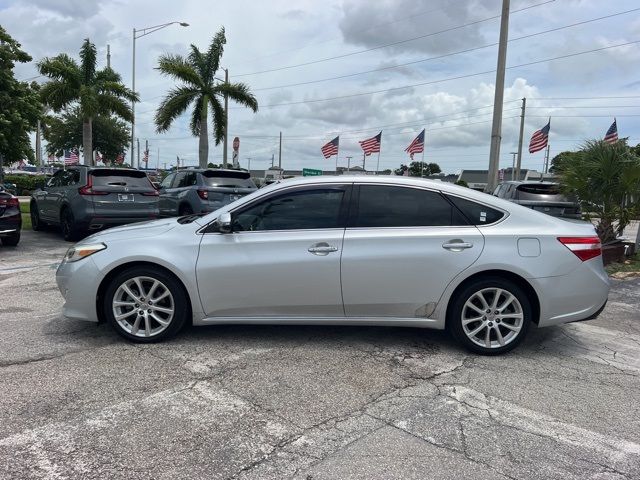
x=272, y=402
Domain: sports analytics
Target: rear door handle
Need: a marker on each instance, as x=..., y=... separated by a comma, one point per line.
x=322, y=249
x=457, y=245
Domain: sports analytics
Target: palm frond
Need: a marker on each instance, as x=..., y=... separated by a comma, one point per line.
x=107, y=74
x=113, y=104
x=218, y=119
x=214, y=54
x=196, y=116
x=118, y=90
x=88, y=61
x=58, y=94
x=174, y=105
x=179, y=68
x=239, y=93
x=198, y=62
x=61, y=67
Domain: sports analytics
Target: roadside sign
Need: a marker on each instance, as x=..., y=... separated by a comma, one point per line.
x=311, y=172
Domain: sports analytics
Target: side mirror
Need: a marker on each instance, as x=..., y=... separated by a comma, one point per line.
x=224, y=223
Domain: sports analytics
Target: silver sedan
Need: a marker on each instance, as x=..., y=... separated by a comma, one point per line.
x=343, y=250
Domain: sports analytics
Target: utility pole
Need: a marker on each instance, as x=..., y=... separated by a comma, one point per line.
x=519, y=163
x=546, y=161
x=226, y=121
x=39, y=145
x=513, y=166
x=280, y=152
x=249, y=160
x=349, y=164
x=496, y=130
x=138, y=141
x=364, y=160
x=108, y=56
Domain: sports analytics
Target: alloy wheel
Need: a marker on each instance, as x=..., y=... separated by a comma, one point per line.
x=143, y=306
x=492, y=318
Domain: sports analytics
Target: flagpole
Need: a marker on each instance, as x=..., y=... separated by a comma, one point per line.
x=378, y=165
x=422, y=164
x=337, y=154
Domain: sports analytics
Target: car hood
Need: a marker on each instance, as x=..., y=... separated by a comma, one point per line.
x=134, y=230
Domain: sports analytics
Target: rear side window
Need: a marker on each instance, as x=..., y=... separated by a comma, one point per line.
x=476, y=213
x=391, y=206
x=227, y=179
x=166, y=183
x=120, y=178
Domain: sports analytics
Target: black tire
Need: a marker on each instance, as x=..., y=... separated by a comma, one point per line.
x=186, y=210
x=180, y=304
x=12, y=240
x=70, y=230
x=488, y=319
x=36, y=223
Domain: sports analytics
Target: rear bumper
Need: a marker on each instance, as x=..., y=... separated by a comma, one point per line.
x=10, y=225
x=580, y=295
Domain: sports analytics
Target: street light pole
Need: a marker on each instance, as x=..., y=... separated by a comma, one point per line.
x=226, y=121
x=139, y=33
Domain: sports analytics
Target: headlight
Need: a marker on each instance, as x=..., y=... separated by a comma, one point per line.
x=82, y=251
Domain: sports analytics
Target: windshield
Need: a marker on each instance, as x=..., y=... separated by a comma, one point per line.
x=227, y=179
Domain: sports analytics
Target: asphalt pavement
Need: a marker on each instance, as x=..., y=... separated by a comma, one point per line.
x=274, y=402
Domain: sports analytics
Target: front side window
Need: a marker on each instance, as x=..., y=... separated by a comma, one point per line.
x=317, y=208
x=395, y=206
x=166, y=183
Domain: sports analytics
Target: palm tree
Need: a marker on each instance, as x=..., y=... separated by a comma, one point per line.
x=197, y=73
x=93, y=91
x=606, y=179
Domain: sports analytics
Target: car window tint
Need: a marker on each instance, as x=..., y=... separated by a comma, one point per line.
x=119, y=178
x=190, y=179
x=166, y=183
x=298, y=210
x=391, y=206
x=221, y=179
x=56, y=180
x=179, y=181
x=476, y=213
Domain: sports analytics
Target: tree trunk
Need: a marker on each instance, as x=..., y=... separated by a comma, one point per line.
x=203, y=148
x=87, y=143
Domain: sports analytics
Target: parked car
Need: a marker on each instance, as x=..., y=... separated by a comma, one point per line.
x=392, y=251
x=541, y=196
x=83, y=199
x=10, y=219
x=202, y=191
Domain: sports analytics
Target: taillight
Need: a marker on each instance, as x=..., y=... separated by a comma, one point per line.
x=10, y=202
x=88, y=190
x=585, y=248
x=203, y=194
x=151, y=194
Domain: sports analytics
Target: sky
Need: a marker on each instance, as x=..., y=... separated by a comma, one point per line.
x=355, y=67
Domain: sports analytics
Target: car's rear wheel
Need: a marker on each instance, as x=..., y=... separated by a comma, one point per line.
x=36, y=223
x=490, y=316
x=145, y=304
x=12, y=240
x=70, y=230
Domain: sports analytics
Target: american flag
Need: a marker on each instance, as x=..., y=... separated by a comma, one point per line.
x=98, y=157
x=120, y=159
x=71, y=157
x=612, y=134
x=371, y=145
x=331, y=148
x=51, y=158
x=417, y=146
x=540, y=139
x=145, y=158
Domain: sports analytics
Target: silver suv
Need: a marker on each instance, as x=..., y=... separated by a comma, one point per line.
x=82, y=199
x=202, y=191
x=545, y=197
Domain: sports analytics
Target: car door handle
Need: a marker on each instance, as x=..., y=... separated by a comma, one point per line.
x=322, y=249
x=457, y=245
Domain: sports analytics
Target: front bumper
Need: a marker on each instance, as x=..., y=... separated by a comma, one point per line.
x=78, y=283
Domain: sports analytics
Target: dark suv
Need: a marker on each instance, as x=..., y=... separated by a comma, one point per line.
x=82, y=199
x=542, y=196
x=202, y=191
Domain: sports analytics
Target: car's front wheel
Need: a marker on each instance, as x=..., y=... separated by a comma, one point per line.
x=145, y=304
x=490, y=316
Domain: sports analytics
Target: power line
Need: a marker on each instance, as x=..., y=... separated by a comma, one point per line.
x=399, y=42
x=446, y=79
x=438, y=57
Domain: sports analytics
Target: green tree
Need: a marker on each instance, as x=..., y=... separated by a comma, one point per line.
x=462, y=183
x=556, y=162
x=93, y=91
x=197, y=73
x=19, y=104
x=110, y=136
x=606, y=179
x=417, y=169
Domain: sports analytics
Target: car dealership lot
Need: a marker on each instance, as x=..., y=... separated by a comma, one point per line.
x=307, y=402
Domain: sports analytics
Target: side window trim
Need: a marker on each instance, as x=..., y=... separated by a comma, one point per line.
x=505, y=214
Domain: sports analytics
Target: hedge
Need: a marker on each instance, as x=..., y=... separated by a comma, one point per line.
x=25, y=184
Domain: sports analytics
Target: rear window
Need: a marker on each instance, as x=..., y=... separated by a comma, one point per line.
x=476, y=213
x=540, y=189
x=228, y=179
x=120, y=178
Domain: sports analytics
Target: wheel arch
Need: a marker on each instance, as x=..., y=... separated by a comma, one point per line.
x=507, y=275
x=120, y=268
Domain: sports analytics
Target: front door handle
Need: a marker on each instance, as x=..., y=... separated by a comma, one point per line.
x=457, y=245
x=322, y=249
